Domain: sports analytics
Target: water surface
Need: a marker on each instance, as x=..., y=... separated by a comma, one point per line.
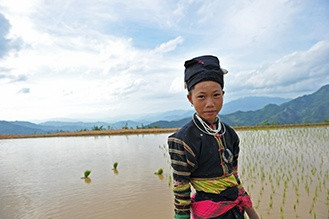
x=285, y=171
x=40, y=178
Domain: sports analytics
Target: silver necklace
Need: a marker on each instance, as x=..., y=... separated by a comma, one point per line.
x=206, y=128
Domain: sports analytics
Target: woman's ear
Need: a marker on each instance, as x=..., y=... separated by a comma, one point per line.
x=189, y=98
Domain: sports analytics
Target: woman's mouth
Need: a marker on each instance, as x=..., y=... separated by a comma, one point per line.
x=209, y=113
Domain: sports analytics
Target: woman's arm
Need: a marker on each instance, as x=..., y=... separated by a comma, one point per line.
x=252, y=214
x=182, y=162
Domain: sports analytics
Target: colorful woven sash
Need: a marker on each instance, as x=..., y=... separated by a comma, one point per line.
x=208, y=209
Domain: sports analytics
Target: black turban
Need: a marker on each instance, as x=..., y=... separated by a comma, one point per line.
x=203, y=68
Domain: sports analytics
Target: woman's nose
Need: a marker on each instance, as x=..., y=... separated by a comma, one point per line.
x=209, y=102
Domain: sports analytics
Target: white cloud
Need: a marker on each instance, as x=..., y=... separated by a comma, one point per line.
x=169, y=46
x=24, y=90
x=299, y=71
x=259, y=20
x=80, y=57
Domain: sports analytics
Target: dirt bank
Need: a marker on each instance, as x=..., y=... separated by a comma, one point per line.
x=145, y=131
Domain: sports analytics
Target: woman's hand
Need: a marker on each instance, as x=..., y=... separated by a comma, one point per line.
x=252, y=214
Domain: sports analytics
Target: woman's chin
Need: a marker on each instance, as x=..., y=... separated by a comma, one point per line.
x=210, y=119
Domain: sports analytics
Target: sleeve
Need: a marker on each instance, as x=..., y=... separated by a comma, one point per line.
x=183, y=163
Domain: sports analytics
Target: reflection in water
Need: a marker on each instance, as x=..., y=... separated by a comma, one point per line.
x=87, y=180
x=161, y=177
x=115, y=171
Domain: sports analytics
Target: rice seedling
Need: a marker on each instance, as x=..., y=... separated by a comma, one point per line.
x=115, y=165
x=294, y=167
x=159, y=172
x=86, y=174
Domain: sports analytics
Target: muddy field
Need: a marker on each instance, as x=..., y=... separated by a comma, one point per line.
x=284, y=169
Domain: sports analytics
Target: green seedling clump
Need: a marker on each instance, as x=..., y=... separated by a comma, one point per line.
x=87, y=173
x=115, y=165
x=159, y=172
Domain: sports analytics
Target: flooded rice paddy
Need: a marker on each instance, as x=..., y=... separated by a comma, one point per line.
x=286, y=172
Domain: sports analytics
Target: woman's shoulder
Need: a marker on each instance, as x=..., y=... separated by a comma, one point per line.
x=228, y=127
x=185, y=132
x=230, y=131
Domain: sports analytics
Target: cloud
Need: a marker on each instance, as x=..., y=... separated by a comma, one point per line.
x=299, y=71
x=24, y=90
x=4, y=42
x=258, y=20
x=109, y=57
x=177, y=85
x=169, y=46
x=125, y=85
x=6, y=77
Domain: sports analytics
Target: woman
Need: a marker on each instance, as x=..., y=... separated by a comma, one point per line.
x=204, y=153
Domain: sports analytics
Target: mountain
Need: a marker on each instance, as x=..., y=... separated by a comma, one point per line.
x=171, y=124
x=312, y=108
x=251, y=103
x=72, y=126
x=241, y=104
x=15, y=128
x=22, y=127
x=167, y=116
x=34, y=126
x=126, y=124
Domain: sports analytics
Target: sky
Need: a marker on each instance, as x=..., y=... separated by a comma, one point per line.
x=113, y=60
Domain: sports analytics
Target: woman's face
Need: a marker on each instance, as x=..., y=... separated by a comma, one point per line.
x=207, y=99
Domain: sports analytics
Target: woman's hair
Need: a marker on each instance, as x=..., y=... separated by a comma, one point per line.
x=192, y=88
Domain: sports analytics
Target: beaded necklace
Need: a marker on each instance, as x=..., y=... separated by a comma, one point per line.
x=206, y=128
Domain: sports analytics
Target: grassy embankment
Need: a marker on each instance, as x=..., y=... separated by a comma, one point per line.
x=144, y=131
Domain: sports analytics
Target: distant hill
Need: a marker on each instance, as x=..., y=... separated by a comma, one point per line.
x=12, y=128
x=241, y=104
x=127, y=124
x=22, y=127
x=171, y=124
x=31, y=125
x=311, y=108
x=166, y=116
x=251, y=104
x=72, y=126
